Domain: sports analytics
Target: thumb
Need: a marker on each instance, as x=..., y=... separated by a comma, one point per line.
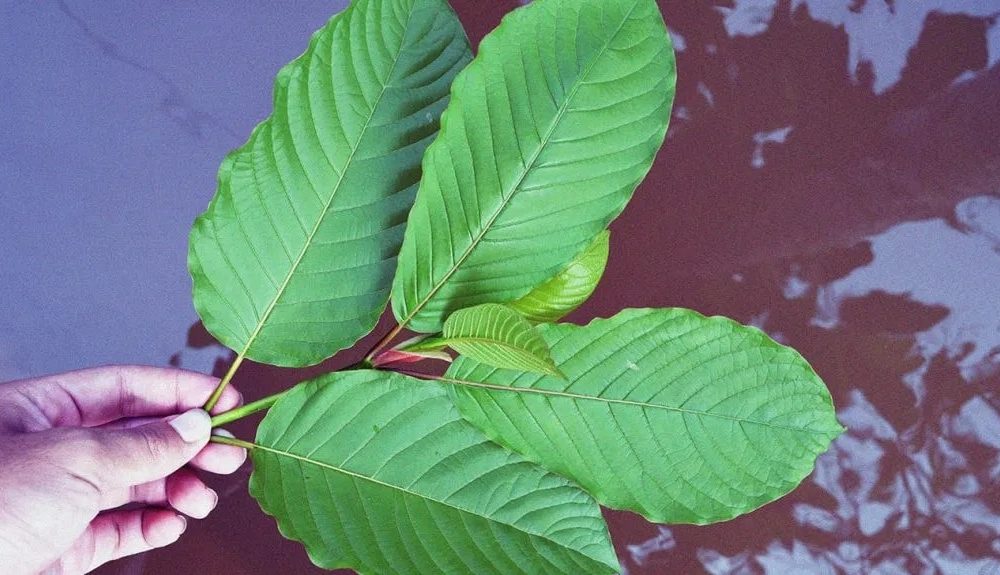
x=131, y=456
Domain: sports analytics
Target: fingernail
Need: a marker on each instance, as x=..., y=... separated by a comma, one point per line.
x=193, y=426
x=184, y=523
x=223, y=433
x=215, y=498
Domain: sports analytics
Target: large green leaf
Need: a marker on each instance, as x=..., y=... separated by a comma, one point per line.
x=679, y=417
x=293, y=260
x=548, y=133
x=569, y=288
x=496, y=335
x=378, y=472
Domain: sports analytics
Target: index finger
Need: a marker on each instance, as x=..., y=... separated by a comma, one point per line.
x=97, y=396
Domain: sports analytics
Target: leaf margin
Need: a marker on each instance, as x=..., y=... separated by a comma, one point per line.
x=574, y=285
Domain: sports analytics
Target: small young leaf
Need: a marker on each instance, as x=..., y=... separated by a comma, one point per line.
x=293, y=259
x=571, y=287
x=678, y=417
x=411, y=351
x=378, y=472
x=548, y=133
x=498, y=336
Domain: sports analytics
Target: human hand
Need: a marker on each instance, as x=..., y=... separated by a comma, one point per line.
x=76, y=446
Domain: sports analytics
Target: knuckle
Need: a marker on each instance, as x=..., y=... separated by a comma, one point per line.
x=117, y=537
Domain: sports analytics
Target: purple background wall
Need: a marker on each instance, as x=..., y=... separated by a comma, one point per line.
x=832, y=175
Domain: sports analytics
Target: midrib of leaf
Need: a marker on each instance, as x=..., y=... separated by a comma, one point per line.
x=355, y=475
x=641, y=404
x=486, y=341
x=524, y=173
x=326, y=207
x=496, y=342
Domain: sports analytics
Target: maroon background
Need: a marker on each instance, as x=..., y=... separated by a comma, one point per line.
x=710, y=232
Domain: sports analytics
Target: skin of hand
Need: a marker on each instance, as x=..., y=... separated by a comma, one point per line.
x=76, y=447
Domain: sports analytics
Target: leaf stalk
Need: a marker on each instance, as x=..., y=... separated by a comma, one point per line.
x=222, y=439
x=384, y=342
x=246, y=410
x=217, y=394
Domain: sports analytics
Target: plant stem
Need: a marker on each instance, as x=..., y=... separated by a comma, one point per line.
x=259, y=405
x=217, y=394
x=383, y=342
x=248, y=409
x=232, y=441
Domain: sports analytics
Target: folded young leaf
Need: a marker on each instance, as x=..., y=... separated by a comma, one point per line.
x=569, y=288
x=412, y=351
x=378, y=472
x=294, y=257
x=496, y=335
x=548, y=133
x=667, y=413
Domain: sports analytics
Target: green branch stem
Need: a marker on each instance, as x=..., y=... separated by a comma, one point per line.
x=223, y=440
x=217, y=394
x=259, y=405
x=384, y=342
x=246, y=410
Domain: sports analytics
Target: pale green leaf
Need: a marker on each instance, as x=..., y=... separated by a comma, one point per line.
x=496, y=335
x=548, y=133
x=569, y=288
x=378, y=472
x=678, y=417
x=293, y=260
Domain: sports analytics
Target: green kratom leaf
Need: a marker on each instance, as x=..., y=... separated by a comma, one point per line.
x=496, y=335
x=378, y=472
x=547, y=134
x=293, y=260
x=571, y=287
x=678, y=417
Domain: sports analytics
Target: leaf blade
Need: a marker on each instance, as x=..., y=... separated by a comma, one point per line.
x=640, y=377
x=337, y=485
x=498, y=336
x=530, y=126
x=292, y=261
x=570, y=288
